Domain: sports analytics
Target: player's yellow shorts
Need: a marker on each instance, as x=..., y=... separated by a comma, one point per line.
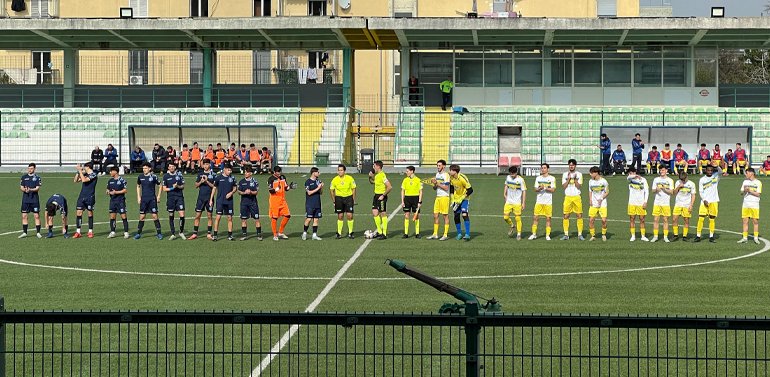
x=741, y=162
x=543, y=210
x=512, y=208
x=573, y=204
x=597, y=211
x=752, y=213
x=636, y=210
x=711, y=210
x=682, y=211
x=716, y=162
x=441, y=205
x=705, y=162
x=680, y=162
x=661, y=211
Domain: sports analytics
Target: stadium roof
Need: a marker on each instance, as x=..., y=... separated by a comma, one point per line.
x=375, y=32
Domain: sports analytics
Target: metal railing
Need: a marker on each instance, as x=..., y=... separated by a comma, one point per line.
x=363, y=344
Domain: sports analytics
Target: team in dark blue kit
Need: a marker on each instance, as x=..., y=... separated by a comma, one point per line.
x=173, y=185
x=248, y=187
x=224, y=189
x=56, y=202
x=30, y=199
x=86, y=199
x=147, y=197
x=116, y=189
x=204, y=183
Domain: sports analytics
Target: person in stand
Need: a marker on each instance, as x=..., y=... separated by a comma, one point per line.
x=413, y=90
x=97, y=158
x=637, y=147
x=138, y=158
x=446, y=92
x=110, y=157
x=605, y=146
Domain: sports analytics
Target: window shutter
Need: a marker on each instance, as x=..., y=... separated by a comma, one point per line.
x=607, y=8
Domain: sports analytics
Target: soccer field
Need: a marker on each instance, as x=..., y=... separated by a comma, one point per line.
x=525, y=276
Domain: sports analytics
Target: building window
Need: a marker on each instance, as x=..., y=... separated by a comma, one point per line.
x=617, y=73
x=316, y=8
x=675, y=73
x=39, y=9
x=317, y=59
x=262, y=8
x=498, y=72
x=199, y=8
x=529, y=72
x=588, y=72
x=647, y=72
x=705, y=67
x=137, y=67
x=139, y=7
x=41, y=62
x=196, y=67
x=262, y=67
x=561, y=72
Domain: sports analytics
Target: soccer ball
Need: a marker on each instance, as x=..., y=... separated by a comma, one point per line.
x=369, y=234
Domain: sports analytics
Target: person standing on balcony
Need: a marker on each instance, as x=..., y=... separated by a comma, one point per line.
x=446, y=92
x=637, y=147
x=413, y=90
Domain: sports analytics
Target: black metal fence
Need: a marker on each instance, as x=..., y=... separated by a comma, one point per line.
x=355, y=344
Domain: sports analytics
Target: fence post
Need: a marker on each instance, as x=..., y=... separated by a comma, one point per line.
x=542, y=153
x=120, y=138
x=299, y=139
x=2, y=339
x=472, y=330
x=419, y=139
x=60, y=139
x=481, y=135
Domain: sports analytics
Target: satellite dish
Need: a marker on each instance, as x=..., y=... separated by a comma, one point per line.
x=345, y=4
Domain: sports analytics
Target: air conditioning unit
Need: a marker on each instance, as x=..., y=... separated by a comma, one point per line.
x=135, y=80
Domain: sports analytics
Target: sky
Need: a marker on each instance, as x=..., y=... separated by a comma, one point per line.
x=733, y=8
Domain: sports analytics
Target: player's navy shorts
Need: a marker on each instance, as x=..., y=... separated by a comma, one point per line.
x=343, y=204
x=174, y=203
x=203, y=205
x=380, y=205
x=118, y=206
x=411, y=204
x=463, y=207
x=86, y=203
x=27, y=207
x=249, y=210
x=313, y=212
x=225, y=208
x=148, y=206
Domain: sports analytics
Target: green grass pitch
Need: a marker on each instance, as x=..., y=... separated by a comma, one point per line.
x=525, y=276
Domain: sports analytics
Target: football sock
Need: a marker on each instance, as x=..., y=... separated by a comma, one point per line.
x=125, y=225
x=534, y=228
x=580, y=226
x=284, y=221
x=229, y=233
x=756, y=235
x=209, y=229
x=24, y=227
x=350, y=226
x=459, y=228
x=66, y=228
x=699, y=229
x=565, y=225
x=417, y=226
x=508, y=220
x=78, y=223
x=315, y=229
x=259, y=230
x=655, y=232
x=675, y=228
x=685, y=230
x=274, y=225
x=90, y=223
x=467, y=227
x=665, y=232
x=243, y=230
x=305, y=227
x=604, y=231
x=157, y=226
x=746, y=235
x=139, y=228
x=37, y=228
x=633, y=231
x=171, y=224
x=195, y=229
x=712, y=226
x=547, y=231
x=385, y=226
x=112, y=225
x=406, y=226
x=339, y=226
x=446, y=230
x=378, y=224
x=591, y=231
x=518, y=224
x=181, y=224
x=216, y=233
x=642, y=230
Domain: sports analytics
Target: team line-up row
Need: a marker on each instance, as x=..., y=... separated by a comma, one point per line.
x=216, y=195
x=663, y=187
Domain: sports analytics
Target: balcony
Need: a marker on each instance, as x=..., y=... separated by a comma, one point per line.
x=32, y=9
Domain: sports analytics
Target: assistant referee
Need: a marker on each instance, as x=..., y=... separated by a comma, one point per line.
x=343, y=192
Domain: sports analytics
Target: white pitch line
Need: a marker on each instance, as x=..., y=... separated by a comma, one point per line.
x=313, y=305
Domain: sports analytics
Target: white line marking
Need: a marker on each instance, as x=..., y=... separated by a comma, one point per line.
x=310, y=308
